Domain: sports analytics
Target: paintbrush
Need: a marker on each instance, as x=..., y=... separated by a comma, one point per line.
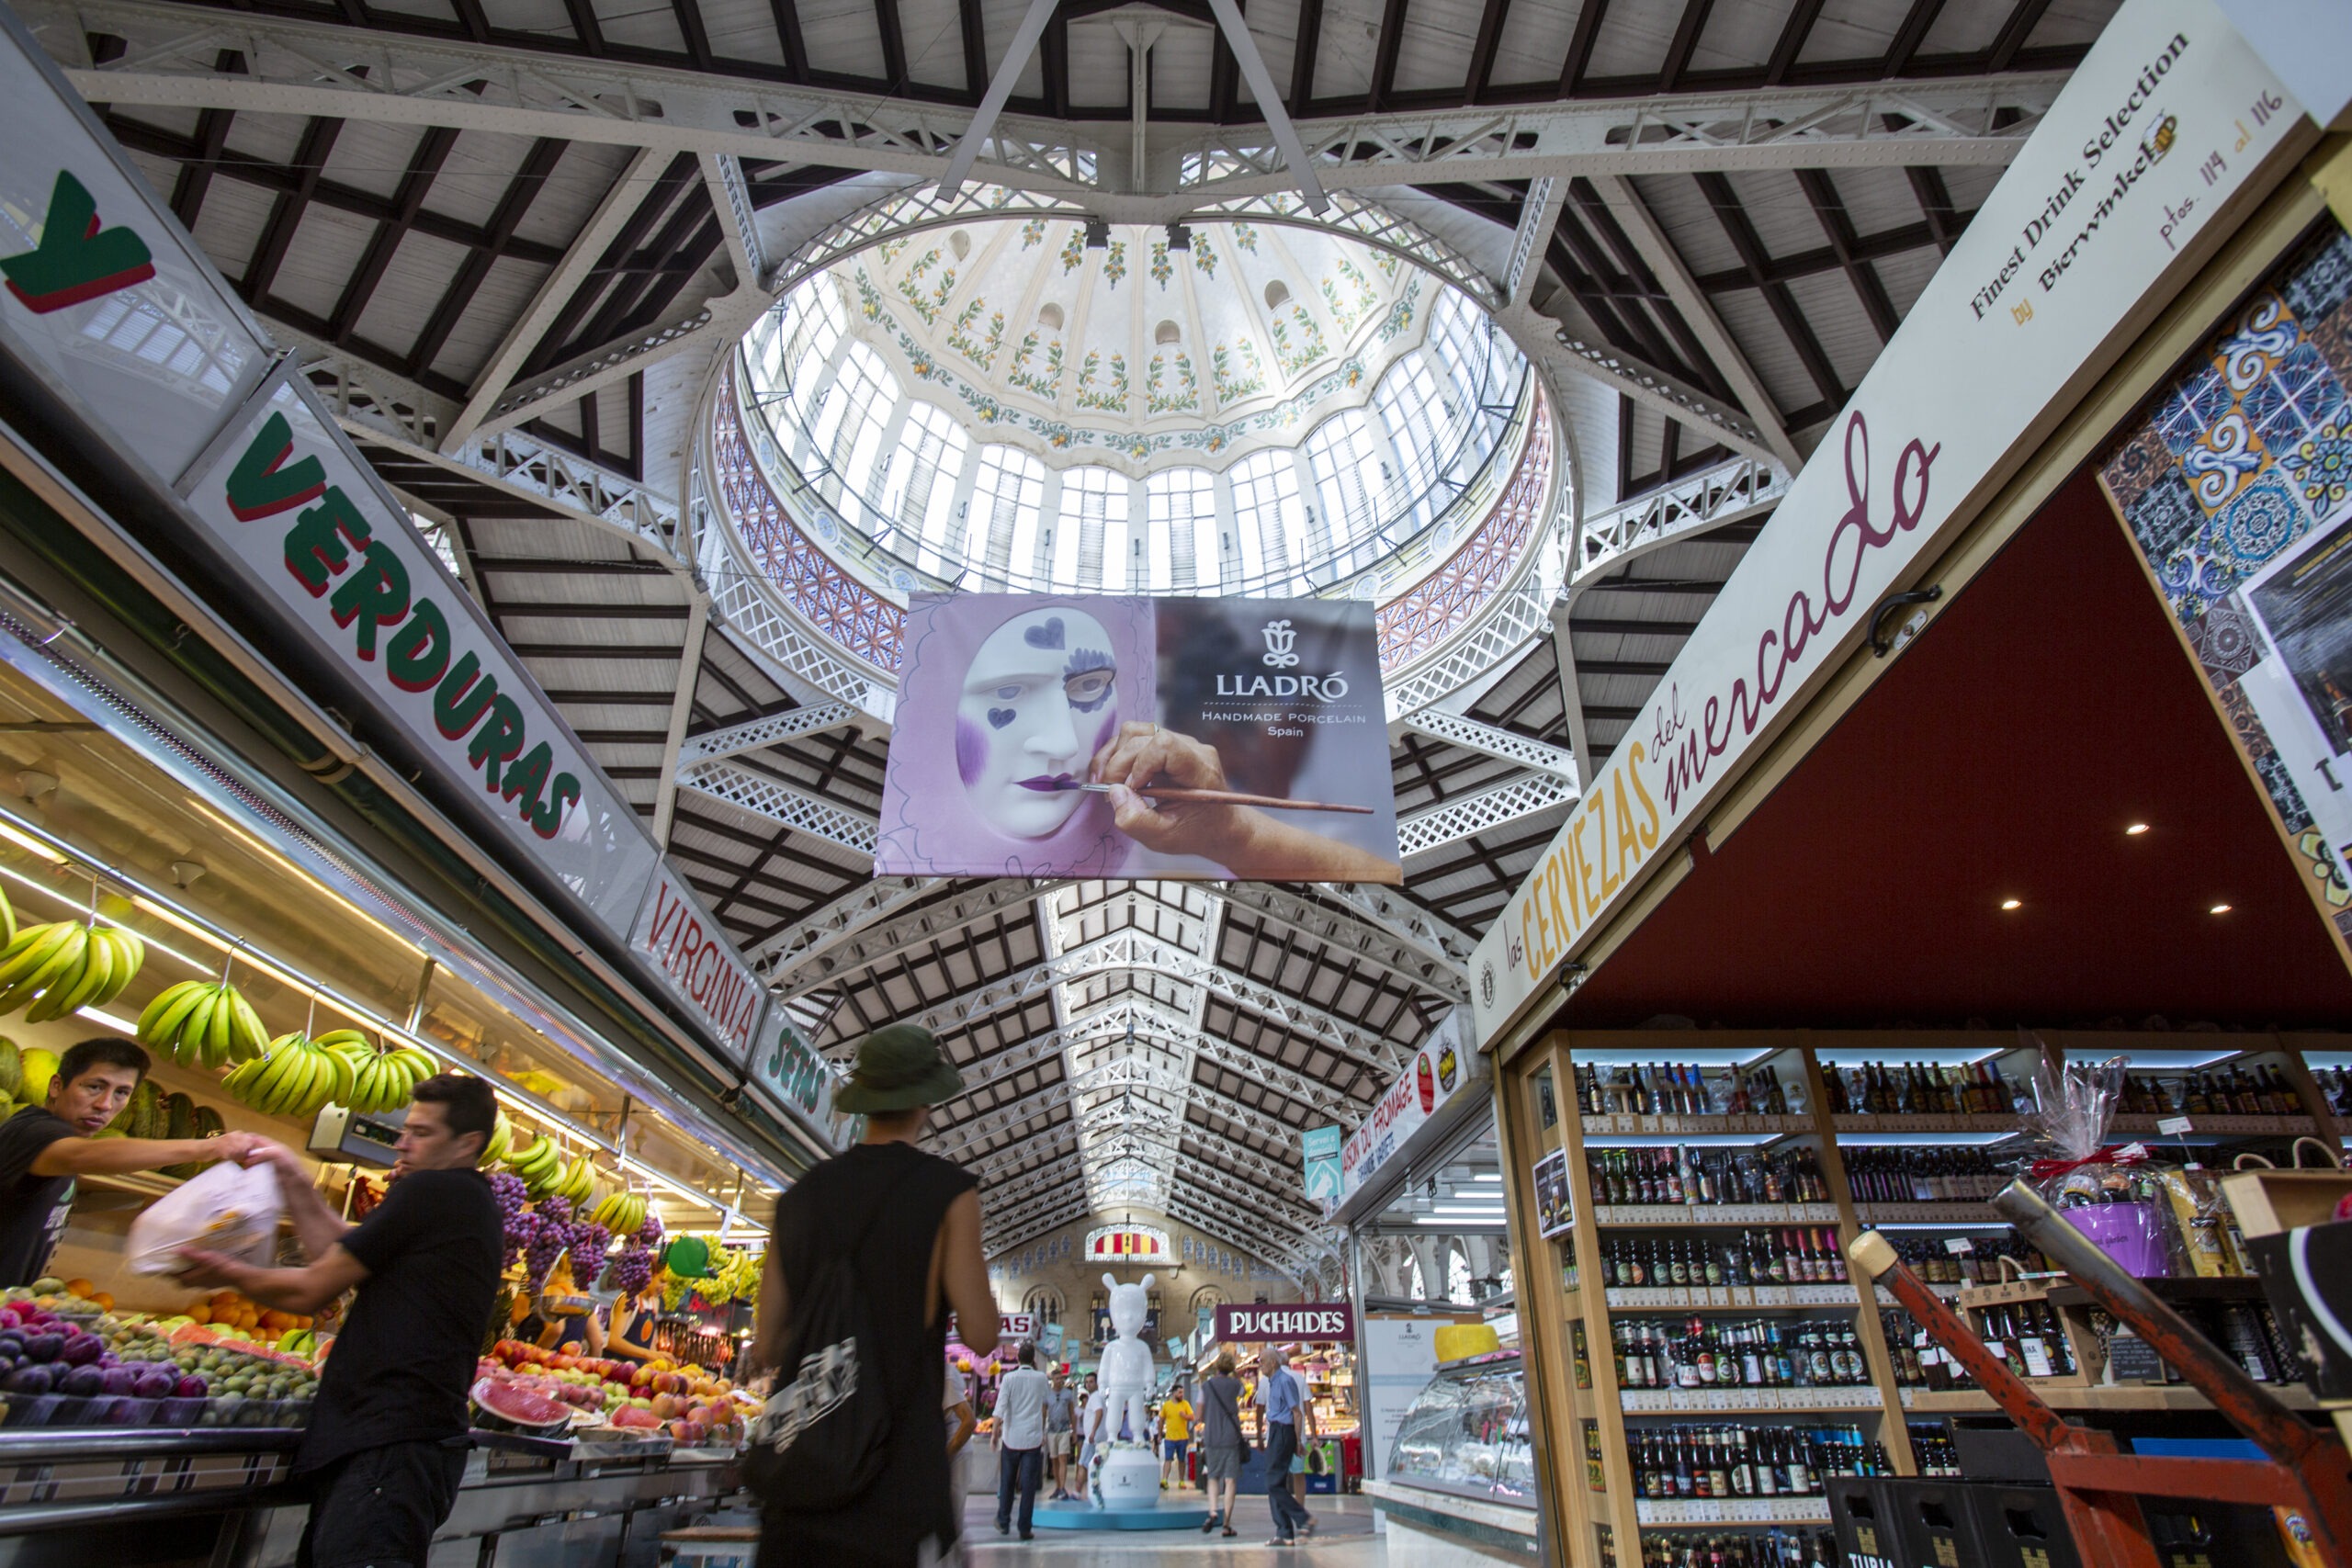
x=1175, y=793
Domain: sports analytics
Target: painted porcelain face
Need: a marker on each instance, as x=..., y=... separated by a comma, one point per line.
x=1041, y=696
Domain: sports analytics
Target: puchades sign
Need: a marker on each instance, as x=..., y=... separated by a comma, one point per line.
x=2235, y=483
x=1012, y=707
x=2155, y=132
x=1315, y=1322
x=308, y=526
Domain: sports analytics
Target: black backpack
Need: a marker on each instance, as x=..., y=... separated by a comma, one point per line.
x=823, y=1437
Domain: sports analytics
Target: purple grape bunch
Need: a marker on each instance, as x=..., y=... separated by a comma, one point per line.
x=649, y=1235
x=518, y=1223
x=542, y=1247
x=589, y=1244
x=557, y=1212
x=630, y=1272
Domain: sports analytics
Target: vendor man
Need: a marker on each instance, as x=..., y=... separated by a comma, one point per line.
x=387, y=1441
x=45, y=1148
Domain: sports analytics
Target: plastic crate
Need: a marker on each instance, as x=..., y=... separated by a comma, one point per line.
x=1937, y=1524
x=2022, y=1526
x=1869, y=1534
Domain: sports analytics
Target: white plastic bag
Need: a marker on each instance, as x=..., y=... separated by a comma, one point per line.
x=225, y=1208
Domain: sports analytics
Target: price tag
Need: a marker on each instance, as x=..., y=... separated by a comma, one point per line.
x=2172, y=1127
x=2037, y=1357
x=2131, y=1151
x=1958, y=1244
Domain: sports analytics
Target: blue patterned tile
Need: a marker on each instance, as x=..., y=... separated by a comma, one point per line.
x=2165, y=518
x=2225, y=642
x=2266, y=518
x=2323, y=279
x=2192, y=410
x=2300, y=395
x=2320, y=467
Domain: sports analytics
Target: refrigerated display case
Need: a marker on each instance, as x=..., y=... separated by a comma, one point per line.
x=1462, y=1469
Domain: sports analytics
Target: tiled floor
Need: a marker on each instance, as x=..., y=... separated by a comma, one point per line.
x=1343, y=1539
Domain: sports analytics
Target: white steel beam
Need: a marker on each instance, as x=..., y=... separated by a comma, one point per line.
x=1731, y=492
x=1269, y=102
x=1454, y=820
x=752, y=733
x=1493, y=741
x=1642, y=227
x=665, y=799
x=1408, y=922
x=823, y=930
x=722, y=176
x=556, y=289
x=779, y=802
x=1538, y=216
x=1345, y=931
x=1000, y=86
x=341, y=72
x=881, y=943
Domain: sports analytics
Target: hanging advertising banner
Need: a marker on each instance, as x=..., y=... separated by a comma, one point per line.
x=2234, y=484
x=306, y=524
x=1319, y=1322
x=1251, y=731
x=1319, y=1146
x=2099, y=217
x=1429, y=1083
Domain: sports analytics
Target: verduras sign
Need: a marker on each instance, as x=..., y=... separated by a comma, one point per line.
x=313, y=530
x=2165, y=119
x=1311, y=1322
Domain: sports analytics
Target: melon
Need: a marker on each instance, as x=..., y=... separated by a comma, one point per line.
x=642, y=1420
x=510, y=1405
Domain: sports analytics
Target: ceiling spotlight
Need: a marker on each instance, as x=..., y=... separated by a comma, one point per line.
x=1097, y=233
x=2219, y=909
x=1180, y=238
x=2134, y=831
x=2012, y=903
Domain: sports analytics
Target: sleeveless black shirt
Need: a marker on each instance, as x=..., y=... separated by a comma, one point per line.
x=905, y=1193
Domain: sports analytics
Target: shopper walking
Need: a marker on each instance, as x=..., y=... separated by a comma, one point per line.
x=1021, y=1442
x=387, y=1440
x=1288, y=1425
x=1175, y=1434
x=46, y=1148
x=1221, y=1445
x=1061, y=1428
x=908, y=1223
x=960, y=1421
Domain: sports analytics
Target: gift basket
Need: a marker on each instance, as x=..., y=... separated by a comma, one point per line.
x=2116, y=1197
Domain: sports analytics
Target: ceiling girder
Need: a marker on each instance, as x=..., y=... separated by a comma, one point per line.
x=342, y=72
x=819, y=933
x=779, y=802
x=877, y=944
x=1471, y=735
x=749, y=736
x=1451, y=821
x=1731, y=492
x=1348, y=931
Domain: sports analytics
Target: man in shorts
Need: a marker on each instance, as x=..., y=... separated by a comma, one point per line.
x=1175, y=1434
x=1061, y=1427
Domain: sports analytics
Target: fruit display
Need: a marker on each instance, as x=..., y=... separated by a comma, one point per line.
x=621, y=1213
x=203, y=1023
x=693, y=1408
x=65, y=965
x=294, y=1076
x=67, y=1359
x=546, y=1173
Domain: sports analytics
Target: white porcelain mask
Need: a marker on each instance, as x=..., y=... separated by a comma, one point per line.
x=1039, y=699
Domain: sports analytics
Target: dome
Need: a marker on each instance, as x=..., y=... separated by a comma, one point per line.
x=1231, y=407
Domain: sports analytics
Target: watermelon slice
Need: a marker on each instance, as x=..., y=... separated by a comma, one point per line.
x=508, y=1406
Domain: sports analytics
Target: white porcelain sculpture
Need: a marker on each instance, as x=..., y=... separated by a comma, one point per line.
x=1127, y=1476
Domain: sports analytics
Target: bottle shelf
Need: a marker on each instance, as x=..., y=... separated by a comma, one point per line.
x=1947, y=1290
x=1629, y=1124
x=1730, y=1298
x=1927, y=1215
x=1661, y=1512
x=1854, y=1121
x=2140, y=1124
x=1648, y=1215
x=1679, y=1400
x=2094, y=1397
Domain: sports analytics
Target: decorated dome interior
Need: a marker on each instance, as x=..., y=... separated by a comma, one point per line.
x=1267, y=408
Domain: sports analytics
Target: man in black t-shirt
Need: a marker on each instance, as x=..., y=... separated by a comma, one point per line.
x=387, y=1442
x=44, y=1148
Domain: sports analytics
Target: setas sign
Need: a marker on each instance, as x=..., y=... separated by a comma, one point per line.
x=1278, y=1322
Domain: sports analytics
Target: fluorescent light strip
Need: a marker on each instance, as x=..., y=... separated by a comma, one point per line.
x=1922, y=1056
x=1920, y=1140
x=520, y=1101
x=2186, y=1059
x=1694, y=1140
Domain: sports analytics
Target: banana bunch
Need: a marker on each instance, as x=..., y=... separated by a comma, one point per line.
x=621, y=1214
x=540, y=1166
x=295, y=1077
x=65, y=965
x=502, y=1142
x=379, y=1081
x=203, y=1023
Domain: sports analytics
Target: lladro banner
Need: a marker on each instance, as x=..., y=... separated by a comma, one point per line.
x=2168, y=115
x=1216, y=739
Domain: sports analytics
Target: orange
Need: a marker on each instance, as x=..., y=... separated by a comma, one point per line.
x=79, y=1288
x=104, y=1301
x=200, y=1313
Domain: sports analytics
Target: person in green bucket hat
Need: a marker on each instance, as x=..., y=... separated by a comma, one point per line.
x=908, y=1223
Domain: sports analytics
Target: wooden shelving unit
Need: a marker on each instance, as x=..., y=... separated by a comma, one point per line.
x=1569, y=1309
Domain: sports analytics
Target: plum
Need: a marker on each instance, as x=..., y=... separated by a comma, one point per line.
x=117, y=1381
x=44, y=1347
x=29, y=1377
x=81, y=1350
x=82, y=1382
x=191, y=1387
x=153, y=1382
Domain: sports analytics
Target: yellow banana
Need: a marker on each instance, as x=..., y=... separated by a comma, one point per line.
x=31, y=950
x=130, y=957
x=64, y=979
x=42, y=964
x=160, y=1025
x=251, y=1039
x=80, y=984
x=187, y=1044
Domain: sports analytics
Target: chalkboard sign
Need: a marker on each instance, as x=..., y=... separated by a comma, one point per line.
x=2131, y=1358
